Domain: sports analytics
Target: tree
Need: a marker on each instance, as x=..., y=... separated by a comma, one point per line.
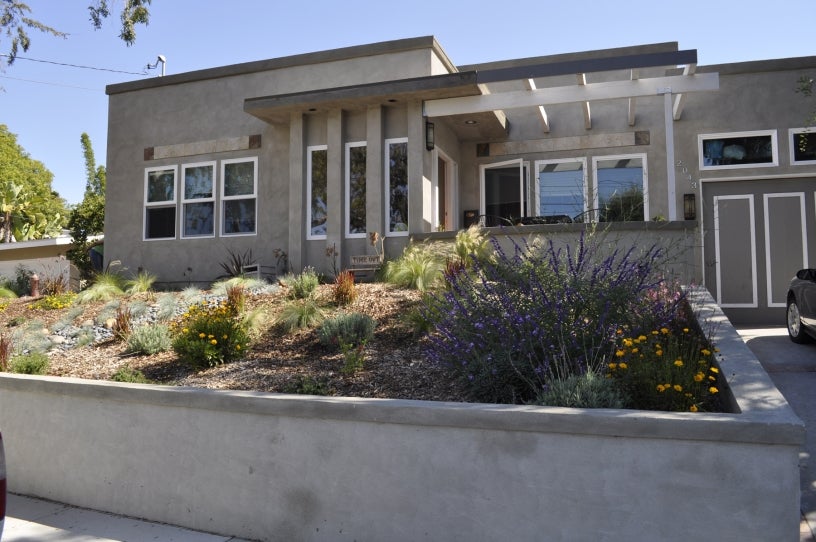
x=88, y=218
x=29, y=208
x=16, y=22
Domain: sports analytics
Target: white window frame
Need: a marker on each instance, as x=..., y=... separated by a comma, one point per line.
x=524, y=204
x=451, y=192
x=349, y=146
x=535, y=197
x=792, y=133
x=225, y=198
x=387, y=193
x=184, y=200
x=160, y=204
x=731, y=135
x=309, y=150
x=594, y=210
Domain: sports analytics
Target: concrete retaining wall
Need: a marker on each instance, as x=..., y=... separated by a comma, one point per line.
x=281, y=467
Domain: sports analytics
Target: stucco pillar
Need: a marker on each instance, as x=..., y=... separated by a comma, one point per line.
x=335, y=182
x=668, y=117
x=375, y=187
x=419, y=172
x=297, y=196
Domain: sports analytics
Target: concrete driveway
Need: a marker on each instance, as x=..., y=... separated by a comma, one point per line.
x=792, y=367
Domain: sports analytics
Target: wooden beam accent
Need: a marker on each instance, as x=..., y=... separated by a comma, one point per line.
x=542, y=114
x=585, y=106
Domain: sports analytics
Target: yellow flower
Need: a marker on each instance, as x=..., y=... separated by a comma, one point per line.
x=224, y=336
x=620, y=353
x=714, y=370
x=237, y=346
x=627, y=342
x=711, y=378
x=664, y=331
x=661, y=388
x=642, y=338
x=658, y=353
x=634, y=350
x=678, y=362
x=185, y=330
x=623, y=365
x=712, y=389
x=686, y=330
x=699, y=377
x=655, y=332
x=201, y=335
x=613, y=366
x=693, y=408
x=678, y=387
x=705, y=352
x=213, y=341
x=210, y=336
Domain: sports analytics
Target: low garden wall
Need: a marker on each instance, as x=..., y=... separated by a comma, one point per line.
x=282, y=467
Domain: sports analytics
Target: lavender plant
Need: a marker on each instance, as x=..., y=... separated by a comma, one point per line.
x=513, y=325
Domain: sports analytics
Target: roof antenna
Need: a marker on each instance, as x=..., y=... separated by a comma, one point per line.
x=153, y=66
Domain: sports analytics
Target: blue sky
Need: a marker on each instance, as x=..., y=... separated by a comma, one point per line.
x=49, y=105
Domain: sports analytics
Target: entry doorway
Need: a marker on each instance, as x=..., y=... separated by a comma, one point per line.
x=444, y=193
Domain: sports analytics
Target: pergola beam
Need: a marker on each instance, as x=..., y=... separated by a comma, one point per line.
x=633, y=76
x=542, y=113
x=573, y=94
x=585, y=105
x=680, y=99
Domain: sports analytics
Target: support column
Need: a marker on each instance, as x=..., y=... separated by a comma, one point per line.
x=419, y=172
x=668, y=118
x=297, y=198
x=335, y=182
x=375, y=185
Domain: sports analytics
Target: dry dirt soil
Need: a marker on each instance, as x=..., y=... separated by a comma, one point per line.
x=287, y=362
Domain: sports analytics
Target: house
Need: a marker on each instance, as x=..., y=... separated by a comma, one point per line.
x=43, y=257
x=287, y=158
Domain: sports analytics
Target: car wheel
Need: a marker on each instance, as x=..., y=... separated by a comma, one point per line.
x=794, y=320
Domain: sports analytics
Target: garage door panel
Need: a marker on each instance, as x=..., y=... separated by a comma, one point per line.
x=735, y=250
x=785, y=242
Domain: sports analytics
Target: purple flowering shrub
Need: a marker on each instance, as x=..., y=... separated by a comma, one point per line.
x=510, y=326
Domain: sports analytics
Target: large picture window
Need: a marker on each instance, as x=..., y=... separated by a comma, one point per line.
x=396, y=184
x=160, y=203
x=560, y=190
x=619, y=188
x=737, y=150
x=239, y=186
x=198, y=200
x=356, y=189
x=316, y=192
x=802, y=146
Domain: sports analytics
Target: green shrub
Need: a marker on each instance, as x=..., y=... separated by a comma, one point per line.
x=142, y=282
x=128, y=374
x=7, y=293
x=419, y=267
x=472, y=245
x=583, y=391
x=167, y=305
x=299, y=314
x=304, y=284
x=209, y=335
x=148, y=340
x=33, y=363
x=307, y=385
x=106, y=286
x=352, y=329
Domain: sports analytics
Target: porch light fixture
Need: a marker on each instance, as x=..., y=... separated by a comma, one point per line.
x=429, y=136
x=689, y=206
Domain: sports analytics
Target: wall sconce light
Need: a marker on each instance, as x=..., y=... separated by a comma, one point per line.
x=689, y=206
x=429, y=136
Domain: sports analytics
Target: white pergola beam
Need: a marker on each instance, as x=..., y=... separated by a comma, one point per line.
x=680, y=99
x=585, y=105
x=573, y=94
x=542, y=113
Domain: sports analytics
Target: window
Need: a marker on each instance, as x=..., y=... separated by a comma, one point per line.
x=356, y=189
x=396, y=183
x=737, y=150
x=160, y=203
x=802, y=146
x=198, y=200
x=239, y=185
x=560, y=190
x=316, y=188
x=619, y=189
x=504, y=191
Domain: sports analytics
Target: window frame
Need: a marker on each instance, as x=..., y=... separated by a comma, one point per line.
x=594, y=211
x=171, y=203
x=792, y=133
x=702, y=138
x=349, y=145
x=309, y=150
x=186, y=201
x=535, y=197
x=225, y=199
x=387, y=178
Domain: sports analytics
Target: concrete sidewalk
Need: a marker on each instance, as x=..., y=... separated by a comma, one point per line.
x=34, y=520
x=792, y=367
